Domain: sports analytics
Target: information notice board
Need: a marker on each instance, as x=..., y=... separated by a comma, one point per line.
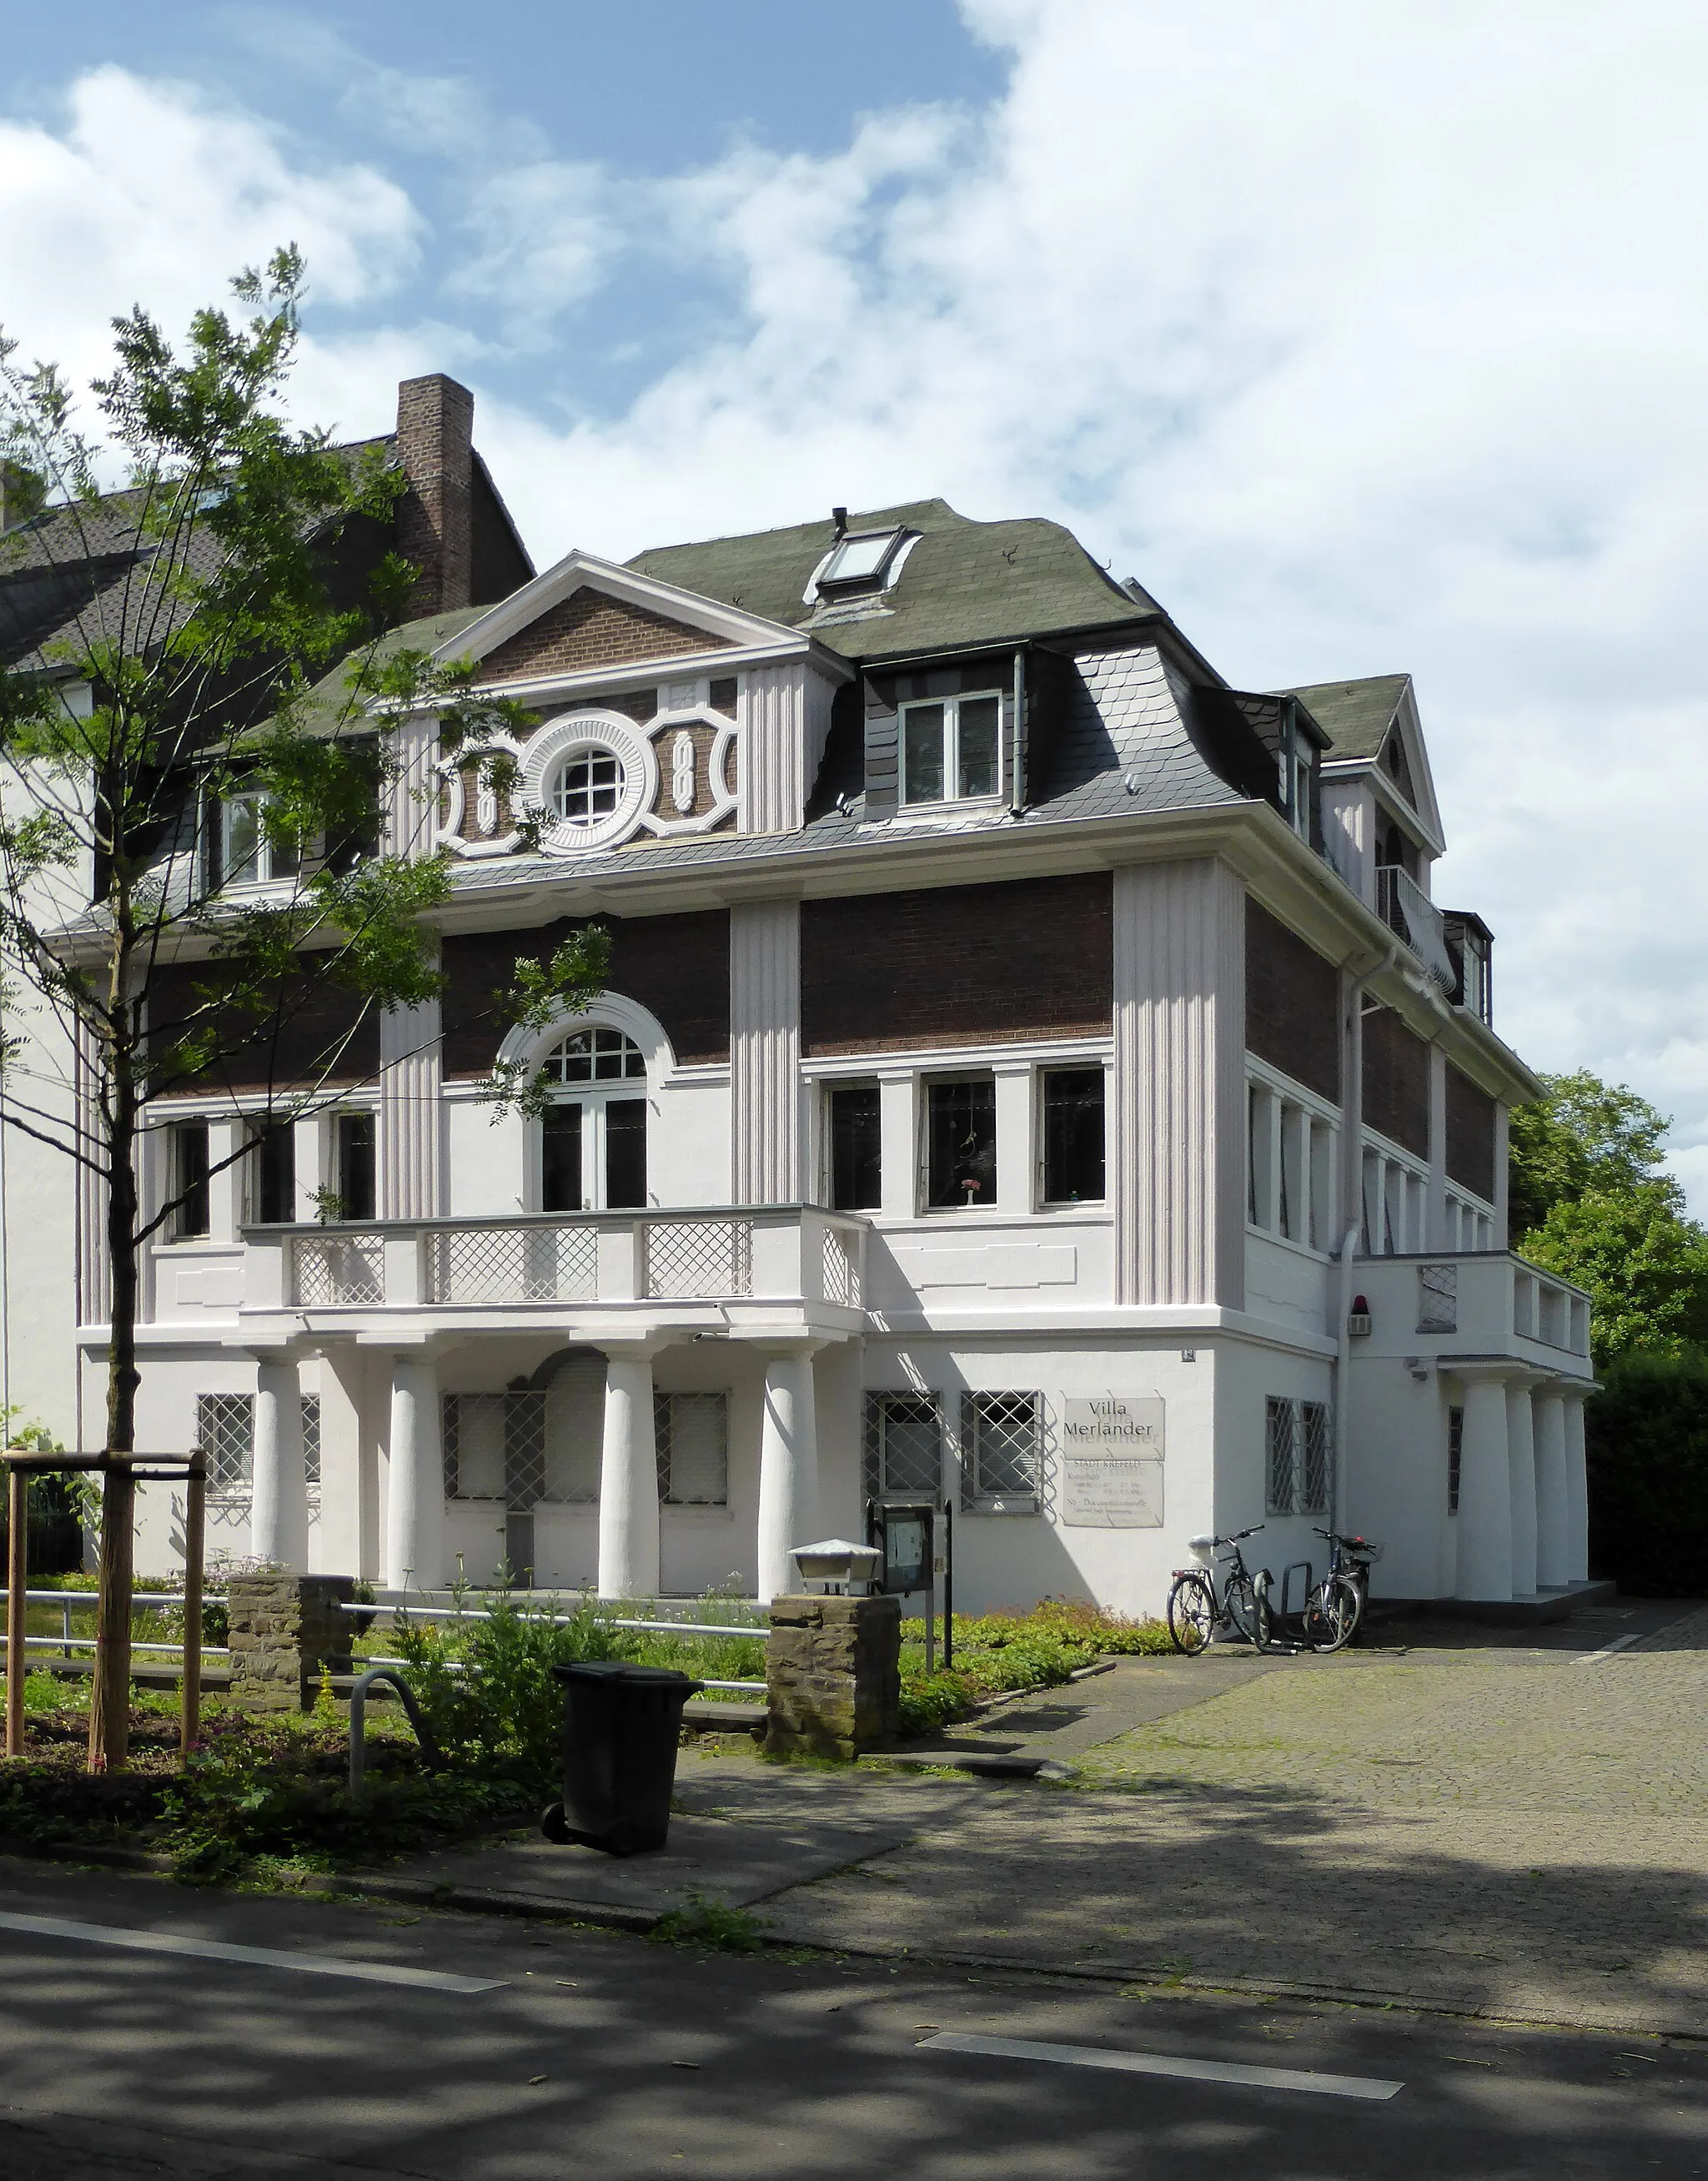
x=1112, y=1461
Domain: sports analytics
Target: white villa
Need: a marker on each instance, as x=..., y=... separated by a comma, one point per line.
x=1034, y=1075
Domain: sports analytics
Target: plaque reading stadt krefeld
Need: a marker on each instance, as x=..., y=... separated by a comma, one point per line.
x=1112, y=1461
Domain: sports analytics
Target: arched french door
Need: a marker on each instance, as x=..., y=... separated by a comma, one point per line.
x=593, y=1136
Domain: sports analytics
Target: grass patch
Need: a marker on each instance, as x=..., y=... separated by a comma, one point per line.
x=711, y=1923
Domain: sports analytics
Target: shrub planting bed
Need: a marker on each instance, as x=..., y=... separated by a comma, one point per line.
x=1004, y=1653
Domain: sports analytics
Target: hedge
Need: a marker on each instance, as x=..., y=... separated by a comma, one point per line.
x=1647, y=1437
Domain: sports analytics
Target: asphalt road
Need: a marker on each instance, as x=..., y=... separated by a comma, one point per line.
x=591, y=2055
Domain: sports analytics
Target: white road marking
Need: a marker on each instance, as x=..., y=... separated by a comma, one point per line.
x=1164, y=2063
x=1608, y=1650
x=266, y=1957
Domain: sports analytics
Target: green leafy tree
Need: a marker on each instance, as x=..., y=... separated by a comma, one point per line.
x=1591, y=1202
x=225, y=665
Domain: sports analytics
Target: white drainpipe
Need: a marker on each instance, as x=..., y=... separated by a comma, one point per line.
x=1343, y=1357
x=1349, y=1242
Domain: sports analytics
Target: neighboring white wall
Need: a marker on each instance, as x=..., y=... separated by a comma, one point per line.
x=1179, y=1010
x=49, y=1217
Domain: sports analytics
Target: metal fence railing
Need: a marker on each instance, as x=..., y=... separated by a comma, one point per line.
x=73, y=1601
x=754, y=1631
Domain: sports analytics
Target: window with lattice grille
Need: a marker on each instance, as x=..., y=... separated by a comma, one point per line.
x=1298, y=1456
x=225, y=1433
x=1281, y=1455
x=904, y=1446
x=1456, y=1444
x=1000, y=1452
x=1318, y=1451
x=692, y=1433
x=311, y=1442
x=498, y=1446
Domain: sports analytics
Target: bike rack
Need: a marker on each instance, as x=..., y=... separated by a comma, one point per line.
x=358, y=1716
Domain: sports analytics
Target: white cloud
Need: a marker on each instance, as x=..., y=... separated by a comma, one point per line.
x=1367, y=338
x=152, y=191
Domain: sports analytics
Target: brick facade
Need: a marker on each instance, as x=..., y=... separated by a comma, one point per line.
x=957, y=965
x=1470, y=1135
x=1397, y=1082
x=676, y=966
x=288, y=1057
x=1292, y=1004
x=587, y=629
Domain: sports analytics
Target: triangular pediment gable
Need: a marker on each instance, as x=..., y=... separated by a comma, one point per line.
x=587, y=616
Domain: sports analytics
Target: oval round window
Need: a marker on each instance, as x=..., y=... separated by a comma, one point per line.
x=587, y=787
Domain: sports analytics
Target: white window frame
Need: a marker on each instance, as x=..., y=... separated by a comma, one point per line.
x=264, y=874
x=924, y=1083
x=952, y=750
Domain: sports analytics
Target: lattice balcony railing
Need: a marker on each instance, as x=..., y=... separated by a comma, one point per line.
x=842, y=1278
x=697, y=1257
x=338, y=1268
x=515, y=1264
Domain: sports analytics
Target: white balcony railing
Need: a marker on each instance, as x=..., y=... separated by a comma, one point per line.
x=1484, y=1303
x=1408, y=911
x=725, y=1253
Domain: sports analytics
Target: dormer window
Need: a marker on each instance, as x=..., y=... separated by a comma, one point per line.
x=241, y=851
x=951, y=749
x=857, y=563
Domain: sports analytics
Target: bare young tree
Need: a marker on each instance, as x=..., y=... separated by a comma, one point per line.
x=197, y=726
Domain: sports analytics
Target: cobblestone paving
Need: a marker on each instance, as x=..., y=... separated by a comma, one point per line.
x=1518, y=1831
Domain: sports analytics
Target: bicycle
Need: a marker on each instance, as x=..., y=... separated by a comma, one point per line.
x=1336, y=1608
x=1195, y=1610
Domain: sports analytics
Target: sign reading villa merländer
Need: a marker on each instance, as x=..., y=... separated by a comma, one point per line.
x=1112, y=1461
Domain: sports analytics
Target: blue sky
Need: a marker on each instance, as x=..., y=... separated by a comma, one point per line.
x=1368, y=338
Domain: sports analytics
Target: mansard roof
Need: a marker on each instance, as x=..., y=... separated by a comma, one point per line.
x=963, y=584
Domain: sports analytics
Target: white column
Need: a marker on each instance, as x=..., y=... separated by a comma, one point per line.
x=1485, y=1495
x=278, y=1488
x=1521, y=1471
x=767, y=1138
x=787, y=1469
x=1179, y=1183
x=898, y=1147
x=410, y=1081
x=1017, y=1186
x=225, y=1189
x=1553, y=1529
x=1435, y=1235
x=415, y=1497
x=1576, y=1494
x=628, y=1481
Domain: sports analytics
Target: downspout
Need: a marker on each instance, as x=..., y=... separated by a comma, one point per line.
x=1349, y=1242
x=1017, y=786
x=1343, y=1357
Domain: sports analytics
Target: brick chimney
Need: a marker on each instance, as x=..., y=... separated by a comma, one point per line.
x=436, y=442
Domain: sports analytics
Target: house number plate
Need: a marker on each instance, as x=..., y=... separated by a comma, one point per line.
x=1112, y=1461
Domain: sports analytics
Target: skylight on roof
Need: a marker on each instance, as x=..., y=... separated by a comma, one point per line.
x=859, y=561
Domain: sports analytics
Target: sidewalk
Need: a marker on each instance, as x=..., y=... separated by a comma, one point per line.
x=1517, y=1829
